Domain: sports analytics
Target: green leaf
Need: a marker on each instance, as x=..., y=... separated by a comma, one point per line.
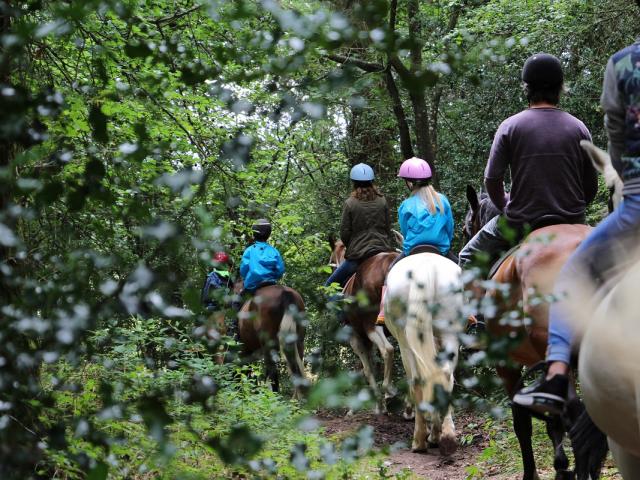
x=98, y=121
x=99, y=472
x=136, y=49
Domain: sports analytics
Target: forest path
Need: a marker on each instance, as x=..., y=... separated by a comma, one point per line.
x=393, y=429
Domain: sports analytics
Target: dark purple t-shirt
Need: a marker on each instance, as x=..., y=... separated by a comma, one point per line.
x=550, y=173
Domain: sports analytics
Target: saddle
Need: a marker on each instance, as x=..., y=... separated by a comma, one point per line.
x=424, y=249
x=348, y=288
x=523, y=231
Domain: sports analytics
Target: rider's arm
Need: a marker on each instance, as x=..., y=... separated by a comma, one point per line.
x=589, y=177
x=495, y=189
x=387, y=223
x=244, y=265
x=345, y=226
x=614, y=113
x=403, y=219
x=280, y=264
x=497, y=167
x=449, y=214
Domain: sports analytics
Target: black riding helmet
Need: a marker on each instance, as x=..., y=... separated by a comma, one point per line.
x=542, y=70
x=261, y=230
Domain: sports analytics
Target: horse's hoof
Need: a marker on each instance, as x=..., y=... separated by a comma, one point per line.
x=565, y=475
x=408, y=414
x=390, y=392
x=448, y=445
x=420, y=449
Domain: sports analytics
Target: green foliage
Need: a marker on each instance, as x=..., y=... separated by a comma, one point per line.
x=136, y=138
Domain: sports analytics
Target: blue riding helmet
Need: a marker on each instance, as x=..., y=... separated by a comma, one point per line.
x=362, y=173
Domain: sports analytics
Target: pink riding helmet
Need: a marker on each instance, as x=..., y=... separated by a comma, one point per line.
x=415, y=169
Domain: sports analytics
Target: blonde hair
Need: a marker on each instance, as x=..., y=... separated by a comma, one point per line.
x=430, y=198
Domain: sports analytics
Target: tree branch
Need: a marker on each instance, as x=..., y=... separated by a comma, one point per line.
x=361, y=64
x=175, y=16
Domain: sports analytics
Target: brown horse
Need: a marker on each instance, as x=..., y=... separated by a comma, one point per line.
x=267, y=323
x=361, y=317
x=530, y=273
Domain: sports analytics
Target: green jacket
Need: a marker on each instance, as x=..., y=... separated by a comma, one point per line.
x=366, y=228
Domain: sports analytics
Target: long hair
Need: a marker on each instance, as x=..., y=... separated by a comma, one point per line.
x=365, y=191
x=428, y=195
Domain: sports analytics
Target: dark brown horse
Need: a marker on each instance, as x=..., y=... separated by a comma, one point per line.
x=531, y=273
x=267, y=324
x=361, y=316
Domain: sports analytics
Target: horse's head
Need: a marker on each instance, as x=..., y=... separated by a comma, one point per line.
x=602, y=161
x=481, y=210
x=338, y=249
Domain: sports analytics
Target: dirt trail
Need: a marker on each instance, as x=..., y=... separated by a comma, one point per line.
x=393, y=429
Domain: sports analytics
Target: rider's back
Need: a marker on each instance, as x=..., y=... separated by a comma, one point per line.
x=550, y=174
x=365, y=227
x=620, y=102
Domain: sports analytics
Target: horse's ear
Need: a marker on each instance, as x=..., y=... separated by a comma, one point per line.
x=602, y=162
x=472, y=198
x=599, y=157
x=332, y=241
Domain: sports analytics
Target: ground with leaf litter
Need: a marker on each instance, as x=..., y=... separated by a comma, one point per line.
x=395, y=432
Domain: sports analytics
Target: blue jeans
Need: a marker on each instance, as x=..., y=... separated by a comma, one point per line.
x=488, y=240
x=343, y=272
x=609, y=251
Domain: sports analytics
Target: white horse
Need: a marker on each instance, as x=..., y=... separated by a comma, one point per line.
x=609, y=364
x=423, y=312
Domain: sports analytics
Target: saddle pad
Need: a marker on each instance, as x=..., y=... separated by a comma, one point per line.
x=494, y=268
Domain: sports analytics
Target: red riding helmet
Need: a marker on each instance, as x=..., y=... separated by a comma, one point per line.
x=220, y=257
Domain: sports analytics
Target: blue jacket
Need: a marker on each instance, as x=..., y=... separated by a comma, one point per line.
x=260, y=263
x=420, y=227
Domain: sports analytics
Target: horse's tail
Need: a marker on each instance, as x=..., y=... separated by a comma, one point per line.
x=589, y=446
x=419, y=331
x=291, y=335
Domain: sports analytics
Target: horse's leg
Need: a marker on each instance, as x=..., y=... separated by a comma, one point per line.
x=448, y=442
x=420, y=429
x=362, y=347
x=522, y=424
x=523, y=427
x=292, y=350
x=628, y=464
x=555, y=430
x=409, y=410
x=378, y=337
x=271, y=370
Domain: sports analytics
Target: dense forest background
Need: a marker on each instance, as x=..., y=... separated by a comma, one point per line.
x=136, y=138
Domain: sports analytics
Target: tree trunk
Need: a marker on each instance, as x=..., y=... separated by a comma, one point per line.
x=401, y=118
x=417, y=90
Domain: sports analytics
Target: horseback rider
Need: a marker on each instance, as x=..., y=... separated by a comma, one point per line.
x=218, y=289
x=425, y=217
x=551, y=176
x=262, y=263
x=365, y=228
x=218, y=278
x=612, y=247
